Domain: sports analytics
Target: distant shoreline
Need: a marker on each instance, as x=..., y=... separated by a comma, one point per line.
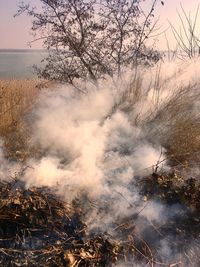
x=10, y=50
x=18, y=63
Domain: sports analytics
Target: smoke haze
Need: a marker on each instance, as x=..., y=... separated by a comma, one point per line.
x=82, y=150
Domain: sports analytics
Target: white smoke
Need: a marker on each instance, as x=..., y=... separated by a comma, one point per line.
x=70, y=130
x=8, y=169
x=85, y=147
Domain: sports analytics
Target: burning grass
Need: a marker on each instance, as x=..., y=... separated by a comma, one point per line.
x=39, y=229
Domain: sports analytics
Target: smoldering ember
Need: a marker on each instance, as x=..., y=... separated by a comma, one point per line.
x=100, y=154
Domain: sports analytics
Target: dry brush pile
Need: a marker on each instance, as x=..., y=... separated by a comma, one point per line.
x=39, y=229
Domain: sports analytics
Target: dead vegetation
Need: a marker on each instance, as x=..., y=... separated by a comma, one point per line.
x=169, y=117
x=176, y=125
x=16, y=99
x=39, y=229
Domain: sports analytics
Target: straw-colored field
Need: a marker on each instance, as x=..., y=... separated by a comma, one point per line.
x=16, y=99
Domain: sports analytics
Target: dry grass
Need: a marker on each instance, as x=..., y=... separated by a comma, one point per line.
x=170, y=123
x=16, y=100
x=176, y=125
x=173, y=122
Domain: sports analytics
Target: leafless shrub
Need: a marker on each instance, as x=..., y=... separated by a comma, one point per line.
x=92, y=39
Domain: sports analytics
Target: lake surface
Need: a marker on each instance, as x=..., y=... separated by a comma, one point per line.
x=18, y=63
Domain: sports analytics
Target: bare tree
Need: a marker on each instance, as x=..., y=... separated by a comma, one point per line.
x=91, y=38
x=187, y=36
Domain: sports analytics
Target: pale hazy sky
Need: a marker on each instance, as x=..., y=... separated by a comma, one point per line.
x=15, y=32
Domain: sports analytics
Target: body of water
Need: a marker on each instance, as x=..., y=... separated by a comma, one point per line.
x=18, y=63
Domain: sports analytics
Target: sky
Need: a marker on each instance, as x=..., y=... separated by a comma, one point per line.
x=15, y=32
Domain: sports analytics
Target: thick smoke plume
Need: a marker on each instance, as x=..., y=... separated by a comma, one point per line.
x=87, y=147
x=86, y=152
x=82, y=145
